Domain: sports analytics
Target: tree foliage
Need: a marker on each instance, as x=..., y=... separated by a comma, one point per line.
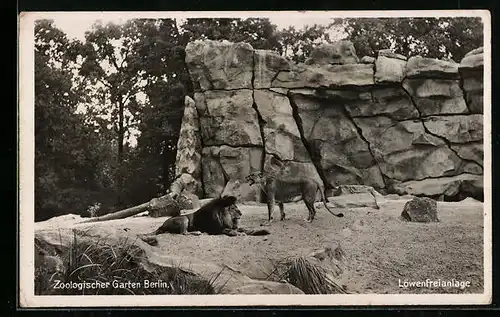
x=260, y=33
x=68, y=153
x=427, y=37
x=298, y=44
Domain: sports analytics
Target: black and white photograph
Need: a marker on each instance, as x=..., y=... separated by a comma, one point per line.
x=254, y=158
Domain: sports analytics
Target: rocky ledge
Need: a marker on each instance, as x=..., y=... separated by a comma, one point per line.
x=395, y=123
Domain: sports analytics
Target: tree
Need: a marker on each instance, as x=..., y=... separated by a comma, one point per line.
x=298, y=44
x=113, y=66
x=258, y=32
x=167, y=82
x=68, y=153
x=427, y=37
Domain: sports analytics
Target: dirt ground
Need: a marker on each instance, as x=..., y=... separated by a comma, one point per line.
x=382, y=252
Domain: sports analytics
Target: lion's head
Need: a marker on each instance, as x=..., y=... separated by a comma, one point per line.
x=231, y=217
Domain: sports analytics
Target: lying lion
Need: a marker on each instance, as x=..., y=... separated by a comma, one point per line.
x=219, y=216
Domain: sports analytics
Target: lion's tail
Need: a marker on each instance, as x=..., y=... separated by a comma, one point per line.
x=323, y=199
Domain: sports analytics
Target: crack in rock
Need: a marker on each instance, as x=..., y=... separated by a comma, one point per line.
x=260, y=120
x=298, y=122
x=362, y=137
x=464, y=92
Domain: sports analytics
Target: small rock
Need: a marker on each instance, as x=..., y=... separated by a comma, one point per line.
x=163, y=206
x=52, y=263
x=391, y=54
x=360, y=200
x=420, y=209
x=476, y=51
x=151, y=240
x=346, y=232
x=188, y=201
x=340, y=53
x=368, y=60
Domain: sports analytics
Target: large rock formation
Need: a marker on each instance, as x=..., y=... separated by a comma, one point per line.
x=188, y=160
x=389, y=122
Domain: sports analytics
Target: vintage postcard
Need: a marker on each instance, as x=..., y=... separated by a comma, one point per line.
x=254, y=158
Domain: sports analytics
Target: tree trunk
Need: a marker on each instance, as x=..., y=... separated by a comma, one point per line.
x=120, y=214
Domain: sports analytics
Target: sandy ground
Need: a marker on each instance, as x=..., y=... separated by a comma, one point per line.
x=382, y=251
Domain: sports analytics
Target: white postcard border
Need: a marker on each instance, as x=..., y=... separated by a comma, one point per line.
x=27, y=298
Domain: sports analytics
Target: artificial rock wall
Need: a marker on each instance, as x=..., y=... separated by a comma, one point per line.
x=406, y=126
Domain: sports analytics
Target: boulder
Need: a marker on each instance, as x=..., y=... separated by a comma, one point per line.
x=338, y=53
x=389, y=70
x=473, y=60
x=355, y=189
x=357, y=200
x=436, y=96
x=475, y=51
x=420, y=67
x=450, y=188
x=187, y=201
x=390, y=54
x=405, y=151
x=471, y=70
x=456, y=129
x=227, y=117
x=187, y=183
x=420, y=209
x=398, y=197
x=267, y=65
x=368, y=60
x=219, y=64
x=44, y=260
x=332, y=76
x=164, y=206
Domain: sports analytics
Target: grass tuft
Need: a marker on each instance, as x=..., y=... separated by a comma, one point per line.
x=307, y=274
x=118, y=270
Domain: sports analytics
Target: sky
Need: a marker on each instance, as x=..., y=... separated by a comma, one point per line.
x=75, y=25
